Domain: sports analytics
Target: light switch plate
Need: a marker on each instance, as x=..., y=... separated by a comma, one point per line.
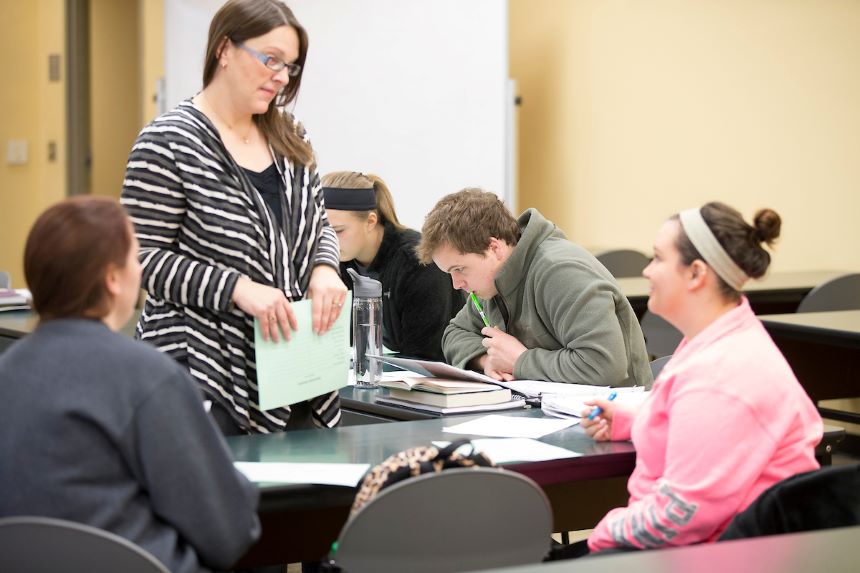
x=16, y=152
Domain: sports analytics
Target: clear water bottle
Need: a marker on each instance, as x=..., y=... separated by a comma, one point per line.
x=366, y=329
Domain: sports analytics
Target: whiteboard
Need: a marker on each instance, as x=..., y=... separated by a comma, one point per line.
x=412, y=90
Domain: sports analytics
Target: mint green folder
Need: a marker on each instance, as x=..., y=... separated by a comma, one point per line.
x=308, y=365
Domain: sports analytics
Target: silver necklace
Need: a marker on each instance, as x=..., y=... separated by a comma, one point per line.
x=246, y=139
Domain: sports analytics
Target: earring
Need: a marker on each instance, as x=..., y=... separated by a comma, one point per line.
x=223, y=64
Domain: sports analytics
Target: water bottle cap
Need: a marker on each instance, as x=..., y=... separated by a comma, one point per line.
x=365, y=287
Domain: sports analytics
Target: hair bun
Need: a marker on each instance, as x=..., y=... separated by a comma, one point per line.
x=767, y=224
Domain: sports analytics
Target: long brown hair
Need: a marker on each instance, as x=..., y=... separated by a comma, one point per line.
x=239, y=20
x=354, y=180
x=68, y=252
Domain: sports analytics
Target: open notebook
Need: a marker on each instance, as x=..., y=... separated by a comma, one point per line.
x=527, y=388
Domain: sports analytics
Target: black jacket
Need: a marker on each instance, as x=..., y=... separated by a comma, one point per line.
x=417, y=300
x=820, y=499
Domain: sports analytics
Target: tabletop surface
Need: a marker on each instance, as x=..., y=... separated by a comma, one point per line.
x=634, y=287
x=832, y=550
x=841, y=320
x=374, y=442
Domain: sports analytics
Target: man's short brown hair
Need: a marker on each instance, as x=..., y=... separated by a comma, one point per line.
x=467, y=220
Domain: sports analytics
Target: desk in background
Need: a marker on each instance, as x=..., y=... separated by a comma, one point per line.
x=301, y=521
x=775, y=293
x=830, y=550
x=823, y=349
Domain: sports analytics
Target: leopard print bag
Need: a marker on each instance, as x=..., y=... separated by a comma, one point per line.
x=414, y=462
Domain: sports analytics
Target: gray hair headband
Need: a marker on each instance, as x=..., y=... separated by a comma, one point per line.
x=710, y=248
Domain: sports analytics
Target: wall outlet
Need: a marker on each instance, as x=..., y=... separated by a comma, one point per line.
x=16, y=152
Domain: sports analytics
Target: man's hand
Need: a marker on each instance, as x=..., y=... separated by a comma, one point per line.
x=502, y=353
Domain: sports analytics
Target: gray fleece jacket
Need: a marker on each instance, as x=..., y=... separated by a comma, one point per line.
x=565, y=307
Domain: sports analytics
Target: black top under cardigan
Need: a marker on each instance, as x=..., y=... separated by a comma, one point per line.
x=417, y=300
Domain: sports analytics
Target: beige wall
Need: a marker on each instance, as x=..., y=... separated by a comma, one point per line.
x=115, y=89
x=152, y=55
x=633, y=110
x=31, y=109
x=126, y=57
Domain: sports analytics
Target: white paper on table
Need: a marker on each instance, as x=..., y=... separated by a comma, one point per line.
x=535, y=388
x=401, y=375
x=499, y=426
x=569, y=405
x=504, y=450
x=282, y=472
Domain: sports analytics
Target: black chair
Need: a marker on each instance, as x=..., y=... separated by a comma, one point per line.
x=820, y=499
x=661, y=338
x=47, y=545
x=840, y=293
x=456, y=520
x=623, y=262
x=658, y=364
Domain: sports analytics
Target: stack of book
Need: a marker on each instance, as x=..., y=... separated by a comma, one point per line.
x=445, y=396
x=11, y=299
x=446, y=393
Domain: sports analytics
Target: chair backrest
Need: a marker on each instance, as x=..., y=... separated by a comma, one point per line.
x=840, y=293
x=661, y=338
x=624, y=262
x=5, y=280
x=657, y=365
x=457, y=520
x=820, y=499
x=47, y=545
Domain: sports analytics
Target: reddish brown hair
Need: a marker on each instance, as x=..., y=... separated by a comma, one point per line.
x=68, y=252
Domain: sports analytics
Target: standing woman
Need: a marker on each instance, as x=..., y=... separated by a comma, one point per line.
x=224, y=195
x=726, y=418
x=418, y=300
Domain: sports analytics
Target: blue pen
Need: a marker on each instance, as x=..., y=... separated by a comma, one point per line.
x=598, y=410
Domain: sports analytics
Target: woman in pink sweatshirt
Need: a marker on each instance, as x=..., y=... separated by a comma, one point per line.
x=726, y=418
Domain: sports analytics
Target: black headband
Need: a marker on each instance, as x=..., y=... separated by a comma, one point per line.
x=349, y=199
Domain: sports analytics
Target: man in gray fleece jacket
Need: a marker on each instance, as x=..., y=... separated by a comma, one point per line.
x=552, y=311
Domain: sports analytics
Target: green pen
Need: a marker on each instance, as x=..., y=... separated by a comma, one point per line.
x=479, y=309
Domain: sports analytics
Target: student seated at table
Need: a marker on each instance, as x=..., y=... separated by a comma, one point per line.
x=418, y=301
x=553, y=312
x=101, y=429
x=726, y=418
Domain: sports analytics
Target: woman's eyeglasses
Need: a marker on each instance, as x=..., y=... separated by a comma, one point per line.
x=271, y=62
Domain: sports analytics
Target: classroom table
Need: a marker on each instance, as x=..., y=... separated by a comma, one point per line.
x=829, y=550
x=777, y=292
x=823, y=349
x=300, y=521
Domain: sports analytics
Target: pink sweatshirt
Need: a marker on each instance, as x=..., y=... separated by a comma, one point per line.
x=726, y=419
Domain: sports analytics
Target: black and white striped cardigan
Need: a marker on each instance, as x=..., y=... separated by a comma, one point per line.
x=202, y=225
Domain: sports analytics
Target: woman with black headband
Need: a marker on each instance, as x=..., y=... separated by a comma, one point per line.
x=417, y=300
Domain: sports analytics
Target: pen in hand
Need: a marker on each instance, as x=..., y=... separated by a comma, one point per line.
x=598, y=410
x=479, y=309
